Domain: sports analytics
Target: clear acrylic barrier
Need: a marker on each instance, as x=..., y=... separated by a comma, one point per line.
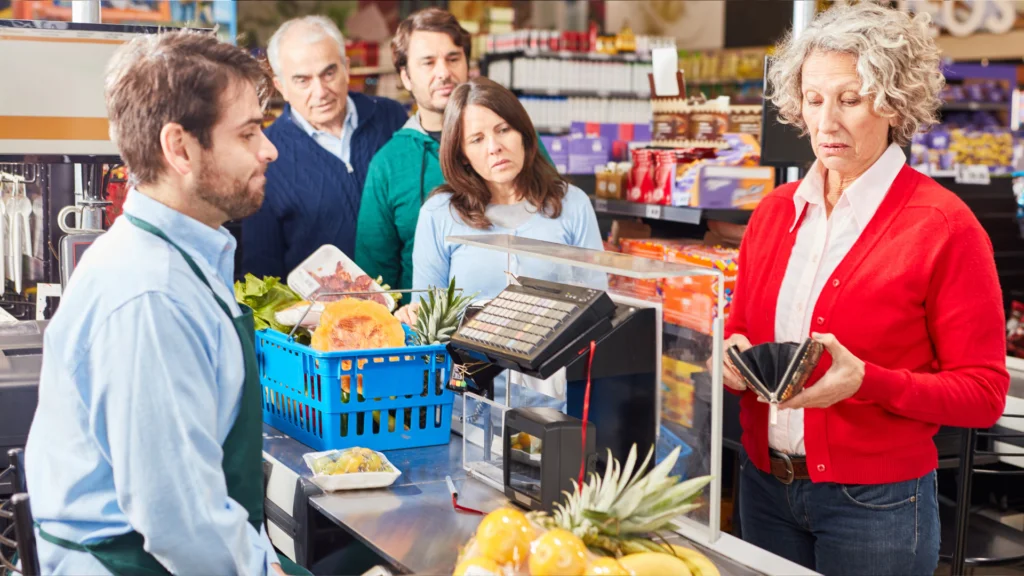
x=483, y=426
x=689, y=400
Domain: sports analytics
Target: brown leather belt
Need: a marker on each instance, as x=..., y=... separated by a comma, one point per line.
x=787, y=468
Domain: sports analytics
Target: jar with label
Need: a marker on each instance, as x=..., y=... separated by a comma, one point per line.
x=671, y=119
x=708, y=122
x=664, y=178
x=641, y=180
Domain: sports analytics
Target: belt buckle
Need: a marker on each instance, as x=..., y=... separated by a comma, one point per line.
x=790, y=474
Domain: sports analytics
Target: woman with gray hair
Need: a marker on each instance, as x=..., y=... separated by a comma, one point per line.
x=894, y=276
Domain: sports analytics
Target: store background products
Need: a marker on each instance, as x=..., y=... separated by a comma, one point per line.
x=733, y=187
x=588, y=153
x=558, y=149
x=688, y=301
x=612, y=180
x=677, y=390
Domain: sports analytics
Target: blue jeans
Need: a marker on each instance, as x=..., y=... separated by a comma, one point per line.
x=839, y=529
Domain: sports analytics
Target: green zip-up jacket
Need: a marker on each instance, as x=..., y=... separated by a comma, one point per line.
x=401, y=176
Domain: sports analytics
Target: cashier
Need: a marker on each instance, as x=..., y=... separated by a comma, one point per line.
x=894, y=275
x=145, y=454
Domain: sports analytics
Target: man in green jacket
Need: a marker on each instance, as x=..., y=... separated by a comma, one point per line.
x=431, y=53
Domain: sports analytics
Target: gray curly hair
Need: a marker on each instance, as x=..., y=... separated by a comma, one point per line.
x=897, y=61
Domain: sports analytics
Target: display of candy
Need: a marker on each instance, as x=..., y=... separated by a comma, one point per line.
x=992, y=148
x=944, y=147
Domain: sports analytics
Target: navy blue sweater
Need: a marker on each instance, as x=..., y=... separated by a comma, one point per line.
x=311, y=197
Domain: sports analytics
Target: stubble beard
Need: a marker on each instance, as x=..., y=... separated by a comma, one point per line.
x=231, y=196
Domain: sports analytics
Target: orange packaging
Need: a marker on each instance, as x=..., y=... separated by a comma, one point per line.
x=677, y=390
x=690, y=301
x=653, y=248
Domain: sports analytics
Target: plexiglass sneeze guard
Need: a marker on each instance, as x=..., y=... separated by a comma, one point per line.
x=689, y=402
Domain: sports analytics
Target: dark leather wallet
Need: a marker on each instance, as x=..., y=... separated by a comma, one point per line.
x=777, y=371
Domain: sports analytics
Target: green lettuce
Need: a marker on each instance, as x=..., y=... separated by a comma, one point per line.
x=266, y=297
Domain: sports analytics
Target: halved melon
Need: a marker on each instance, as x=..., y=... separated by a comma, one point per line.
x=352, y=324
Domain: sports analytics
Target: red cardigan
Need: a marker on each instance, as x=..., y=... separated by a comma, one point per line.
x=918, y=300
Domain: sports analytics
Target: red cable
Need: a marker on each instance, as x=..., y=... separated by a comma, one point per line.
x=462, y=508
x=586, y=412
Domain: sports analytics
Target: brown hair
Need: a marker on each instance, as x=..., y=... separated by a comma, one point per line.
x=538, y=183
x=172, y=77
x=428, y=20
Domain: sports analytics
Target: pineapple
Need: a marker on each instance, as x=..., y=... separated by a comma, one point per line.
x=617, y=515
x=440, y=314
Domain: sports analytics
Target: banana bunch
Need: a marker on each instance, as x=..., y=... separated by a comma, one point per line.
x=698, y=563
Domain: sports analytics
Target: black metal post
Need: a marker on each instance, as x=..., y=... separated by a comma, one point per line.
x=16, y=458
x=25, y=536
x=963, y=501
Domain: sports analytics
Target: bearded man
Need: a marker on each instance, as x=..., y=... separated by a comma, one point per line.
x=145, y=454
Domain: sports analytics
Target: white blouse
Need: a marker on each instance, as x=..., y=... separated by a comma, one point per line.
x=821, y=244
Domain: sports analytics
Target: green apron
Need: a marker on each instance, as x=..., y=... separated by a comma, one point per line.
x=243, y=452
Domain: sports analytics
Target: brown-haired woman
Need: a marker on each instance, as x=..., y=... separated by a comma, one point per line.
x=496, y=183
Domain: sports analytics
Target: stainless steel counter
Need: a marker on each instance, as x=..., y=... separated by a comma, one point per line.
x=412, y=523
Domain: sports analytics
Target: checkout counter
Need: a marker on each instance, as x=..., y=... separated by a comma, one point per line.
x=413, y=525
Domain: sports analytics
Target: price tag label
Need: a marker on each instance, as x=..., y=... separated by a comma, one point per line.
x=978, y=175
x=652, y=211
x=305, y=284
x=600, y=205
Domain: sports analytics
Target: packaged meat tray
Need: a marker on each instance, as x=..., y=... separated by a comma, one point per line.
x=329, y=270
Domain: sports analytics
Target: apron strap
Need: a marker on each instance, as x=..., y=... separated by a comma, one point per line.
x=57, y=541
x=143, y=225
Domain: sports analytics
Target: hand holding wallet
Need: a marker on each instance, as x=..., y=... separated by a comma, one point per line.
x=777, y=371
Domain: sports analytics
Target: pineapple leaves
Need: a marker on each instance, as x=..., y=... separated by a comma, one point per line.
x=618, y=513
x=439, y=315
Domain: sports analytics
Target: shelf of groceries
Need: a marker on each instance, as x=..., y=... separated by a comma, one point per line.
x=688, y=302
x=680, y=214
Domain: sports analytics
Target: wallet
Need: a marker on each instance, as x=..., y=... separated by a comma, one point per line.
x=777, y=371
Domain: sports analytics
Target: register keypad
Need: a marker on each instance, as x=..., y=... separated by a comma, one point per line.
x=517, y=322
x=531, y=321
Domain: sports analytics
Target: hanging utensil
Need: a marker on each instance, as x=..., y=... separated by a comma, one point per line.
x=16, y=237
x=3, y=238
x=16, y=249
x=24, y=210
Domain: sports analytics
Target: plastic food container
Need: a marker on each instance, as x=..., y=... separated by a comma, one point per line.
x=352, y=480
x=324, y=262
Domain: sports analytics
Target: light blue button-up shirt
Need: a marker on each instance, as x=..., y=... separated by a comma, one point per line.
x=141, y=381
x=340, y=147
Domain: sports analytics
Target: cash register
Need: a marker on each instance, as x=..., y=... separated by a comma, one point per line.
x=537, y=327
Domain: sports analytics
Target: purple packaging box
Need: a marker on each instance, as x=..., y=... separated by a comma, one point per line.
x=641, y=132
x=558, y=149
x=733, y=186
x=611, y=131
x=585, y=154
x=578, y=129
